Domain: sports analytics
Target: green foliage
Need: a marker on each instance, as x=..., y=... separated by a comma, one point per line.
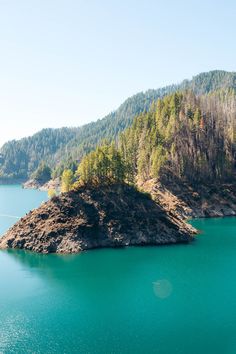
x=185, y=136
x=104, y=165
x=52, y=193
x=189, y=137
x=158, y=160
x=67, y=181
x=19, y=159
x=63, y=148
x=42, y=174
x=65, y=165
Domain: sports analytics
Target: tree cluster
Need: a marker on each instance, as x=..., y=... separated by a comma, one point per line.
x=104, y=165
x=183, y=135
x=42, y=174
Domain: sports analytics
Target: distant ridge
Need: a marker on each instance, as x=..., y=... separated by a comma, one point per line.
x=61, y=147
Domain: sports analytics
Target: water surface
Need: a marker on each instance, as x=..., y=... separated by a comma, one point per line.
x=164, y=300
x=16, y=202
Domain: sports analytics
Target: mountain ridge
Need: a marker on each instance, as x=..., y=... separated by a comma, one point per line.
x=63, y=146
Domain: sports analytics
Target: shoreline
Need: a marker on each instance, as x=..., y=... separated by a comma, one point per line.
x=109, y=216
x=54, y=227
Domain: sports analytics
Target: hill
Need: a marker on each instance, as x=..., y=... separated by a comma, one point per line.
x=182, y=136
x=61, y=148
x=18, y=159
x=183, y=152
x=92, y=218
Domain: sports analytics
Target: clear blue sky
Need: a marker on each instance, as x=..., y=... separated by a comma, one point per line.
x=67, y=62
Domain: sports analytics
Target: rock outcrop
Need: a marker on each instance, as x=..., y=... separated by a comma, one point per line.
x=45, y=187
x=199, y=201
x=114, y=216
x=31, y=184
x=53, y=184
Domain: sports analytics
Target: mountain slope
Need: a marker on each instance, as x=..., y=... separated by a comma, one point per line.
x=182, y=152
x=183, y=136
x=58, y=147
x=18, y=159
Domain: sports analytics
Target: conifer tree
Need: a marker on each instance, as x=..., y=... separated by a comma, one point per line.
x=67, y=181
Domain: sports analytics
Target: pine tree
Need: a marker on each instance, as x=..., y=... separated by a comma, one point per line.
x=67, y=181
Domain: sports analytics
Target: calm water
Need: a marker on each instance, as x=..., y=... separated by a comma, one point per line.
x=166, y=300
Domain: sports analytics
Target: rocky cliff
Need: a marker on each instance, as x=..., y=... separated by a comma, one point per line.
x=114, y=216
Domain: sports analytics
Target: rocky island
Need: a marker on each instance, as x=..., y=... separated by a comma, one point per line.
x=116, y=216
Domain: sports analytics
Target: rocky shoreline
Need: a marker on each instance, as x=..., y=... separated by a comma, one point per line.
x=177, y=197
x=120, y=216
x=116, y=216
x=34, y=184
x=186, y=201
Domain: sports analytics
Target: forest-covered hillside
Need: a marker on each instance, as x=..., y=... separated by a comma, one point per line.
x=183, y=136
x=61, y=148
x=18, y=159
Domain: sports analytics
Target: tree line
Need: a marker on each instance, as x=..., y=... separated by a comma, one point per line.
x=183, y=135
x=64, y=148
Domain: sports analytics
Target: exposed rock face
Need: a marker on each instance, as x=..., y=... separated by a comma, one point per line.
x=187, y=201
x=52, y=184
x=114, y=216
x=31, y=184
x=34, y=184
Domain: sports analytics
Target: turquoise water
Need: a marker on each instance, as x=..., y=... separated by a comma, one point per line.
x=166, y=300
x=16, y=202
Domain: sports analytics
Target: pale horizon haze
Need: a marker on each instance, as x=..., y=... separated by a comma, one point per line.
x=66, y=63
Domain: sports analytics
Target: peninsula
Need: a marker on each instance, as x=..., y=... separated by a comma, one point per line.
x=109, y=216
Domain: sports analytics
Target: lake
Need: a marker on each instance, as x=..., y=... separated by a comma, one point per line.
x=164, y=300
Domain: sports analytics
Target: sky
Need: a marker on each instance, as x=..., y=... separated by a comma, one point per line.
x=69, y=62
